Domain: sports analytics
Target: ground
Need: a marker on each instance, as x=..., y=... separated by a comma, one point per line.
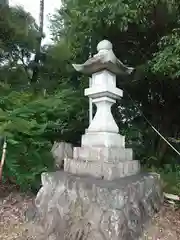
x=12, y=208
x=165, y=225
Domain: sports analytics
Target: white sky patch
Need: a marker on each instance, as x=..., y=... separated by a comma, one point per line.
x=33, y=7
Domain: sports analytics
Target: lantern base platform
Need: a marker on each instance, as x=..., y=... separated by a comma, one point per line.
x=100, y=161
x=103, y=154
x=102, y=170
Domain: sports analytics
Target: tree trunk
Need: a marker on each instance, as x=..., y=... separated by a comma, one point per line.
x=39, y=40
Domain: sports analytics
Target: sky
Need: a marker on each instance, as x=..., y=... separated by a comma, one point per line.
x=32, y=6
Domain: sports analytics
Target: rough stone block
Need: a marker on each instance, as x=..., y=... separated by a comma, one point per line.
x=102, y=170
x=60, y=150
x=104, y=154
x=71, y=207
x=102, y=139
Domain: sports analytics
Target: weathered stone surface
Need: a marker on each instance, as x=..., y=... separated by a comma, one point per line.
x=79, y=208
x=103, y=154
x=31, y=214
x=102, y=170
x=60, y=150
x=104, y=59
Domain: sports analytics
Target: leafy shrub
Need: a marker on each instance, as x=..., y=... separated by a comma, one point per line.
x=170, y=175
x=31, y=124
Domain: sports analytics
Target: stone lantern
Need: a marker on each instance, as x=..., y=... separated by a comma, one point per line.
x=101, y=193
x=102, y=153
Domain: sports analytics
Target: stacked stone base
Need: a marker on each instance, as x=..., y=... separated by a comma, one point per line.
x=103, y=154
x=102, y=162
x=85, y=208
x=102, y=170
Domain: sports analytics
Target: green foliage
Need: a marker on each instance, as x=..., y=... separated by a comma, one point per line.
x=31, y=121
x=31, y=124
x=167, y=60
x=170, y=176
x=145, y=35
x=26, y=159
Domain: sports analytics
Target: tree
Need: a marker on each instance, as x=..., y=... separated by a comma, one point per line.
x=30, y=120
x=145, y=34
x=39, y=40
x=17, y=44
x=15, y=52
x=4, y=2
